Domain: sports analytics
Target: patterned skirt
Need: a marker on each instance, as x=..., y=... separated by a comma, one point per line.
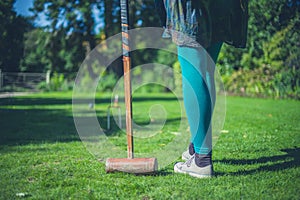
x=186, y=23
x=205, y=22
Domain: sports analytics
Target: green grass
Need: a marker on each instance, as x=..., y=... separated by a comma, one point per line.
x=42, y=156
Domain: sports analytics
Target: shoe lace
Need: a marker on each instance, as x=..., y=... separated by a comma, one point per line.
x=189, y=162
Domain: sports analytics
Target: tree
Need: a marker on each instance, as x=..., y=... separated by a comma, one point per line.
x=265, y=20
x=12, y=29
x=35, y=58
x=141, y=14
x=272, y=54
x=112, y=22
x=71, y=26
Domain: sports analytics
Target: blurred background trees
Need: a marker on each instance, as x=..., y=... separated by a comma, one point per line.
x=12, y=30
x=269, y=66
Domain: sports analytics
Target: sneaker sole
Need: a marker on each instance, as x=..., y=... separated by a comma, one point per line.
x=176, y=170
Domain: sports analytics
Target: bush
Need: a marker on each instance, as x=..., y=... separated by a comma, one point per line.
x=274, y=73
x=58, y=82
x=264, y=82
x=107, y=82
x=43, y=86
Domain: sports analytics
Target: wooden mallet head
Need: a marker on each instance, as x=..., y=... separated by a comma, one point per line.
x=131, y=165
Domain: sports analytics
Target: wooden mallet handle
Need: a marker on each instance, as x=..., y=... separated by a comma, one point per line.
x=127, y=80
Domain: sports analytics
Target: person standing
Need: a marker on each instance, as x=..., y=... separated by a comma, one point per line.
x=199, y=28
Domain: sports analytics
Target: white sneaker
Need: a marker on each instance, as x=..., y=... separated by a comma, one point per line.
x=186, y=155
x=189, y=167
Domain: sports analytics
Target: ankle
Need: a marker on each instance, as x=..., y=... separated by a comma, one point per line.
x=203, y=160
x=191, y=149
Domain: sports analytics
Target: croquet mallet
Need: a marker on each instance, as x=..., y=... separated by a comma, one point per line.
x=129, y=164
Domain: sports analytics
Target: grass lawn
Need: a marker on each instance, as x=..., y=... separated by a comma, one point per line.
x=42, y=157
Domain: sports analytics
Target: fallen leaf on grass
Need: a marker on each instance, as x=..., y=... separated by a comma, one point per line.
x=224, y=131
x=22, y=194
x=175, y=133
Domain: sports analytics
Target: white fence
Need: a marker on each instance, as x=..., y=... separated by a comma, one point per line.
x=22, y=80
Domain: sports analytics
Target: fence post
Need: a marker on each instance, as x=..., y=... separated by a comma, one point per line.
x=48, y=77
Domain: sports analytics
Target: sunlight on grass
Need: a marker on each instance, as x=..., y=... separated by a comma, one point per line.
x=42, y=157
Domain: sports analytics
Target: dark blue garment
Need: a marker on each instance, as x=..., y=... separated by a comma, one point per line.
x=206, y=21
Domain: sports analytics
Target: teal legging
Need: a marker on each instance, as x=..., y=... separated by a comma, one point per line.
x=199, y=92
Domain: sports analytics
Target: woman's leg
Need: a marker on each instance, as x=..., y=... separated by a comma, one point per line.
x=196, y=95
x=199, y=93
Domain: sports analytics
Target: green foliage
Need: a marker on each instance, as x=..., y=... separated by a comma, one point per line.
x=269, y=66
x=246, y=82
x=278, y=71
x=12, y=29
x=36, y=56
x=58, y=82
x=60, y=46
x=264, y=82
x=177, y=78
x=273, y=44
x=107, y=82
x=287, y=83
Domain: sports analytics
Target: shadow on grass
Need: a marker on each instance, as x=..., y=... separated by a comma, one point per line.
x=37, y=125
x=20, y=101
x=289, y=160
x=32, y=126
x=23, y=126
